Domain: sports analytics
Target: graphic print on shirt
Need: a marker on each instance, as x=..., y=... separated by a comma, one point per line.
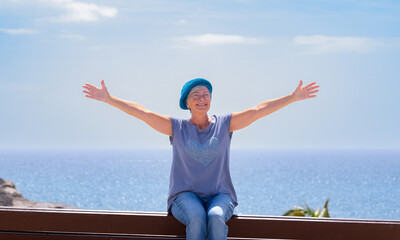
x=203, y=153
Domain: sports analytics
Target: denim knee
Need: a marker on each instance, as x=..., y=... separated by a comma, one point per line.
x=197, y=225
x=197, y=218
x=189, y=210
x=217, y=229
x=215, y=219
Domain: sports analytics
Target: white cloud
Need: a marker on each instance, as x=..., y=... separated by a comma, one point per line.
x=74, y=37
x=18, y=31
x=76, y=11
x=214, y=39
x=12, y=2
x=319, y=44
x=182, y=21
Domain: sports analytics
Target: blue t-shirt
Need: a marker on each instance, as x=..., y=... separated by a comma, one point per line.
x=200, y=161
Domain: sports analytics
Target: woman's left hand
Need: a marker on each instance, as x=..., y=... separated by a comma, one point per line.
x=306, y=92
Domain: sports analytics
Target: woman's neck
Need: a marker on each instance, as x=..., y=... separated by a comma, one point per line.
x=201, y=120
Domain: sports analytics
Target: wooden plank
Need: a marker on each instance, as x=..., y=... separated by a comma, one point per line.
x=68, y=236
x=313, y=228
x=79, y=221
x=84, y=224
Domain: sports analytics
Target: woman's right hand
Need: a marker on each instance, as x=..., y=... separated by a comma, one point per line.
x=99, y=94
x=159, y=122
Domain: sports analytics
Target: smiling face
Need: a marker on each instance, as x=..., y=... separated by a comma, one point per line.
x=199, y=99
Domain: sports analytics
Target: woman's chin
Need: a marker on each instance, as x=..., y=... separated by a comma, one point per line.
x=201, y=109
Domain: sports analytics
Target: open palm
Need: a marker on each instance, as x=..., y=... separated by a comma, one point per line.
x=305, y=92
x=100, y=94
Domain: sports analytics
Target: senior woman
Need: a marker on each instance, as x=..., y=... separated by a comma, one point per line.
x=201, y=194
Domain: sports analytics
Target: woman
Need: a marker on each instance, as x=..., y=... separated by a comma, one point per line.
x=201, y=194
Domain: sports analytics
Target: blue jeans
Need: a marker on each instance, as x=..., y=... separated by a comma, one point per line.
x=203, y=217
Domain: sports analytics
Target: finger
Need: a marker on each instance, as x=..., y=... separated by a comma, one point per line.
x=312, y=92
x=86, y=92
x=309, y=85
x=312, y=88
x=89, y=96
x=86, y=87
x=301, y=83
x=102, y=84
x=312, y=96
x=90, y=85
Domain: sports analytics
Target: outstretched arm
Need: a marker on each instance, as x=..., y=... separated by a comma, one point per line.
x=159, y=122
x=243, y=119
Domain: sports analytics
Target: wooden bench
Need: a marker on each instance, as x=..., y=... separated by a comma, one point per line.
x=34, y=224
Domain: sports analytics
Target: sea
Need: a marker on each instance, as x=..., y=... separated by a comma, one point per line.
x=359, y=183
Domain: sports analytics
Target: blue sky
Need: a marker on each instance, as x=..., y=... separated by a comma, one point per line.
x=251, y=51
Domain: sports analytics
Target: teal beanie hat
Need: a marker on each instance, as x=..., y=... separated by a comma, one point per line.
x=188, y=86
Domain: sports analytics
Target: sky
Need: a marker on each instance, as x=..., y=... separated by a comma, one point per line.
x=250, y=50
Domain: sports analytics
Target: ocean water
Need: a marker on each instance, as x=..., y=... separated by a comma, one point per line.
x=363, y=184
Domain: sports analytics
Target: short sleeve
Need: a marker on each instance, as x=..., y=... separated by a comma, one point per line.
x=226, y=121
x=176, y=125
